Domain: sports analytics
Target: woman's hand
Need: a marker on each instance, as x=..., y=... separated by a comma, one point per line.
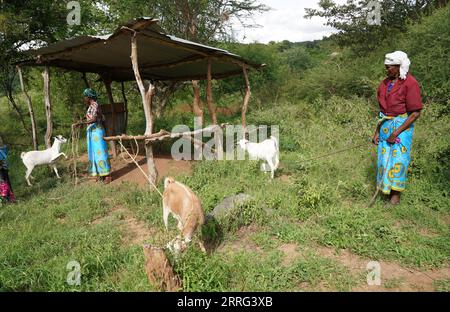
x=392, y=138
x=376, y=138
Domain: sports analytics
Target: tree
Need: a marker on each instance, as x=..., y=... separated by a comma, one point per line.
x=24, y=25
x=350, y=20
x=202, y=21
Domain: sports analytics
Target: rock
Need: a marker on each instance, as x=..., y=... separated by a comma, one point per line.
x=228, y=204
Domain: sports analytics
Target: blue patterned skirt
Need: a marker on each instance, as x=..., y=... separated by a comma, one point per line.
x=97, y=151
x=393, y=159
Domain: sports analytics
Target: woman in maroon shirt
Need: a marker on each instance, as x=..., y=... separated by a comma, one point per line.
x=400, y=105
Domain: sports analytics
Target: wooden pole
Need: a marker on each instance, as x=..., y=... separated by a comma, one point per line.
x=48, y=107
x=30, y=110
x=125, y=103
x=163, y=134
x=107, y=84
x=246, y=99
x=197, y=108
x=212, y=111
x=147, y=95
x=209, y=99
x=197, y=104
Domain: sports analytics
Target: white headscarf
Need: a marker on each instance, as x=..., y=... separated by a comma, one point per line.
x=399, y=58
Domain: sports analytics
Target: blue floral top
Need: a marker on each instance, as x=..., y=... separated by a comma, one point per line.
x=3, y=154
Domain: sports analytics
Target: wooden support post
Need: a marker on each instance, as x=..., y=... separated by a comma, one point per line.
x=246, y=99
x=48, y=107
x=147, y=95
x=112, y=145
x=125, y=103
x=30, y=110
x=209, y=99
x=212, y=111
x=197, y=106
x=197, y=109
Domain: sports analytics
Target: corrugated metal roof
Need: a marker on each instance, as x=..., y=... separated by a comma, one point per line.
x=160, y=56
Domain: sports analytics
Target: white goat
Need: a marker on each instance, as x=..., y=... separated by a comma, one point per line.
x=46, y=157
x=267, y=150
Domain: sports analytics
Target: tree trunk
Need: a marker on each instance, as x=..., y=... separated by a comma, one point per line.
x=112, y=145
x=146, y=94
x=162, y=94
x=48, y=107
x=209, y=99
x=30, y=110
x=197, y=106
x=125, y=103
x=246, y=100
x=212, y=111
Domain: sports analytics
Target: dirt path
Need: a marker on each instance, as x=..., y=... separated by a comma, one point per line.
x=394, y=277
x=135, y=231
x=125, y=172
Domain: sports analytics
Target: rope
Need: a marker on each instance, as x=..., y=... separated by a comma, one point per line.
x=336, y=152
x=132, y=149
x=135, y=162
x=330, y=154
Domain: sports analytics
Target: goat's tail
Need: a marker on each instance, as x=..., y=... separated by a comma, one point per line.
x=23, y=154
x=276, y=142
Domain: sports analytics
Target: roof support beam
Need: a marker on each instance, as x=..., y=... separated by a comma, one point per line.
x=48, y=107
x=147, y=96
x=246, y=99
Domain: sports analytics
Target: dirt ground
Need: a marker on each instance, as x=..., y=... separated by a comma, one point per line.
x=124, y=170
x=394, y=277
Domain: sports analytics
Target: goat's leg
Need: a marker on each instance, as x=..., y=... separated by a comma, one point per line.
x=57, y=156
x=180, y=225
x=56, y=171
x=272, y=168
x=28, y=174
x=276, y=160
x=166, y=212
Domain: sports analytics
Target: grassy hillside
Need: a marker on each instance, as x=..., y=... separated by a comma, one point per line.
x=311, y=208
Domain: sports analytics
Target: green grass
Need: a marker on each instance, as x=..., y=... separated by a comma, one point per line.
x=322, y=202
